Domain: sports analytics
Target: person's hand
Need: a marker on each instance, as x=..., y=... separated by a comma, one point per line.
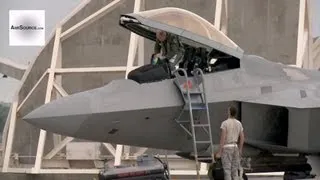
x=218, y=154
x=157, y=55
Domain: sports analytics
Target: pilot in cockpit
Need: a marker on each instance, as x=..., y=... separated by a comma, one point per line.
x=168, y=48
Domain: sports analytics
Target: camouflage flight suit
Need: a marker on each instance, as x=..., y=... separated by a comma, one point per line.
x=230, y=157
x=172, y=49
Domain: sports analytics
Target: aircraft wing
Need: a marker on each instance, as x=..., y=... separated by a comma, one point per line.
x=12, y=69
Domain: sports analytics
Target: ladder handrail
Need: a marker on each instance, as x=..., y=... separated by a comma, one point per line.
x=206, y=102
x=191, y=117
x=182, y=81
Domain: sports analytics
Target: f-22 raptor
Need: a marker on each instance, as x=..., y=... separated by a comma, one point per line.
x=277, y=104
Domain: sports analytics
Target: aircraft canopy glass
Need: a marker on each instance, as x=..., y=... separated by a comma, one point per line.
x=189, y=21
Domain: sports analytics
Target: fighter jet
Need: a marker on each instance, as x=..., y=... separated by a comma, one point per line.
x=277, y=104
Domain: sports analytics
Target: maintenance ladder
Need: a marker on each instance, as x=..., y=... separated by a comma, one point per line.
x=195, y=102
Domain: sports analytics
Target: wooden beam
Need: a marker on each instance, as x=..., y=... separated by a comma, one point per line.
x=31, y=91
x=110, y=148
x=117, y=159
x=5, y=133
x=12, y=126
x=90, y=19
x=140, y=151
x=310, y=39
x=316, y=53
x=60, y=89
x=316, y=44
x=43, y=133
x=58, y=148
x=91, y=69
x=218, y=12
x=224, y=18
x=133, y=43
x=141, y=41
x=74, y=11
x=140, y=51
x=301, y=33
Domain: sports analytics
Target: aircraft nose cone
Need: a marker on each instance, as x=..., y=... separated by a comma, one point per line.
x=61, y=116
x=67, y=115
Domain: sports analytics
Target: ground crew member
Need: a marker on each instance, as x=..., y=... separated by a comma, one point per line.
x=229, y=151
x=167, y=47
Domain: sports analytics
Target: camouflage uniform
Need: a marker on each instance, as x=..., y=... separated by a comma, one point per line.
x=231, y=163
x=169, y=48
x=230, y=157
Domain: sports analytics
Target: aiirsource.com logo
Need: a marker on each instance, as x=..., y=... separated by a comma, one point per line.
x=22, y=27
x=26, y=27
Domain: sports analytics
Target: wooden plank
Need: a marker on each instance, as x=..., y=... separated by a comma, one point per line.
x=91, y=69
x=110, y=148
x=302, y=9
x=43, y=133
x=133, y=43
x=218, y=12
x=12, y=126
x=31, y=91
x=58, y=148
x=61, y=91
x=310, y=39
x=90, y=19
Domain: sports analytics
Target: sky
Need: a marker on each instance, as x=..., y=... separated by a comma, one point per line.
x=55, y=11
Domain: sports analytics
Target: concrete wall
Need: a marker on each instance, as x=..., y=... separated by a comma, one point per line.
x=267, y=28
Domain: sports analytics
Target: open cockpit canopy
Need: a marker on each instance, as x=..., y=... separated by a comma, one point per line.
x=191, y=28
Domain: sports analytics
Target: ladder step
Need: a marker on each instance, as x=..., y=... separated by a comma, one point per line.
x=183, y=121
x=203, y=142
x=205, y=158
x=201, y=125
x=193, y=92
x=196, y=106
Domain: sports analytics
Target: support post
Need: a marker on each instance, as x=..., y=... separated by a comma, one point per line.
x=301, y=27
x=218, y=12
x=131, y=56
x=140, y=51
x=60, y=90
x=310, y=39
x=12, y=127
x=140, y=151
x=32, y=90
x=141, y=41
x=43, y=133
x=126, y=151
x=58, y=147
x=224, y=17
x=5, y=133
x=90, y=19
x=110, y=148
x=133, y=41
x=58, y=80
x=316, y=49
x=117, y=159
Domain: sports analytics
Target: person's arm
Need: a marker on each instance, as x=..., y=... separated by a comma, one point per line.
x=157, y=47
x=241, y=142
x=222, y=137
x=175, y=49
